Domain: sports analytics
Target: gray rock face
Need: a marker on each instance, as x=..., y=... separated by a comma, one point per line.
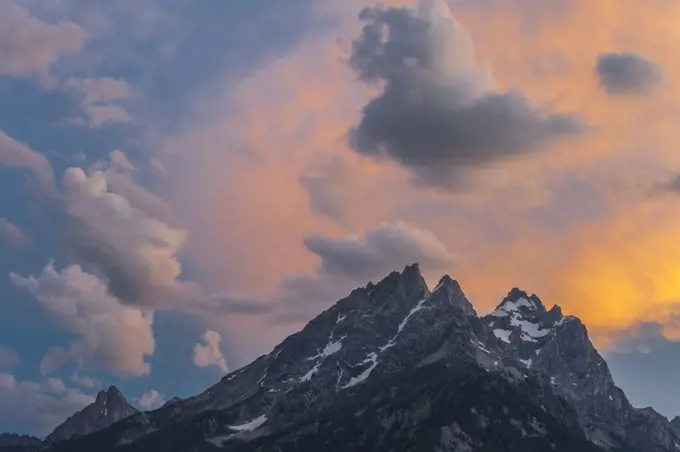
x=109, y=407
x=558, y=349
x=396, y=367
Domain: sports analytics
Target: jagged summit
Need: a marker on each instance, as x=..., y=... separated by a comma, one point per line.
x=109, y=395
x=109, y=407
x=518, y=299
x=450, y=289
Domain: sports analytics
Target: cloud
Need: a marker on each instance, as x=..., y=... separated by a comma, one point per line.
x=85, y=381
x=18, y=155
x=642, y=337
x=436, y=113
x=627, y=73
x=133, y=250
x=111, y=336
x=379, y=252
x=118, y=177
x=671, y=186
x=12, y=234
x=38, y=407
x=101, y=99
x=151, y=400
x=238, y=305
x=29, y=46
x=8, y=358
x=208, y=353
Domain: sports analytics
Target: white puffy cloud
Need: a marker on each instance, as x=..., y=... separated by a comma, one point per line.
x=30, y=46
x=38, y=406
x=208, y=353
x=151, y=400
x=12, y=234
x=111, y=336
x=130, y=247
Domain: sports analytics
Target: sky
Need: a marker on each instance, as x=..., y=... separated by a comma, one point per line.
x=183, y=183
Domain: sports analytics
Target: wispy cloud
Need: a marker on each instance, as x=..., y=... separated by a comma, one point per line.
x=13, y=234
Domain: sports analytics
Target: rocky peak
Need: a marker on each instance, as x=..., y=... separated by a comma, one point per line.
x=408, y=283
x=110, y=396
x=171, y=402
x=519, y=300
x=450, y=290
x=109, y=407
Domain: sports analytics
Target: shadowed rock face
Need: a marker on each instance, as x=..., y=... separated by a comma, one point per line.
x=397, y=367
x=25, y=442
x=109, y=407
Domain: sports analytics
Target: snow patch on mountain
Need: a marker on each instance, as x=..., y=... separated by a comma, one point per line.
x=403, y=323
x=503, y=335
x=373, y=359
x=530, y=331
x=331, y=348
x=250, y=426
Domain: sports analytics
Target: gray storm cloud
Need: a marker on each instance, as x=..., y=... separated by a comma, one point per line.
x=437, y=112
x=627, y=73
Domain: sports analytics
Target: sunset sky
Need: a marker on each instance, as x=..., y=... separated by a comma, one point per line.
x=183, y=183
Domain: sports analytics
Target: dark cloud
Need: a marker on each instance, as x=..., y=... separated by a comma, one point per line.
x=627, y=73
x=379, y=252
x=437, y=113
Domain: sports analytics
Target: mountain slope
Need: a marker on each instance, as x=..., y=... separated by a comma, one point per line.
x=396, y=367
x=20, y=443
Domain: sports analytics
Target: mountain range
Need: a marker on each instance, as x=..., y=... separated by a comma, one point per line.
x=394, y=367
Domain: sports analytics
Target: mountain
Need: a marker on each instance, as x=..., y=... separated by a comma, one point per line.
x=109, y=407
x=397, y=367
x=11, y=442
